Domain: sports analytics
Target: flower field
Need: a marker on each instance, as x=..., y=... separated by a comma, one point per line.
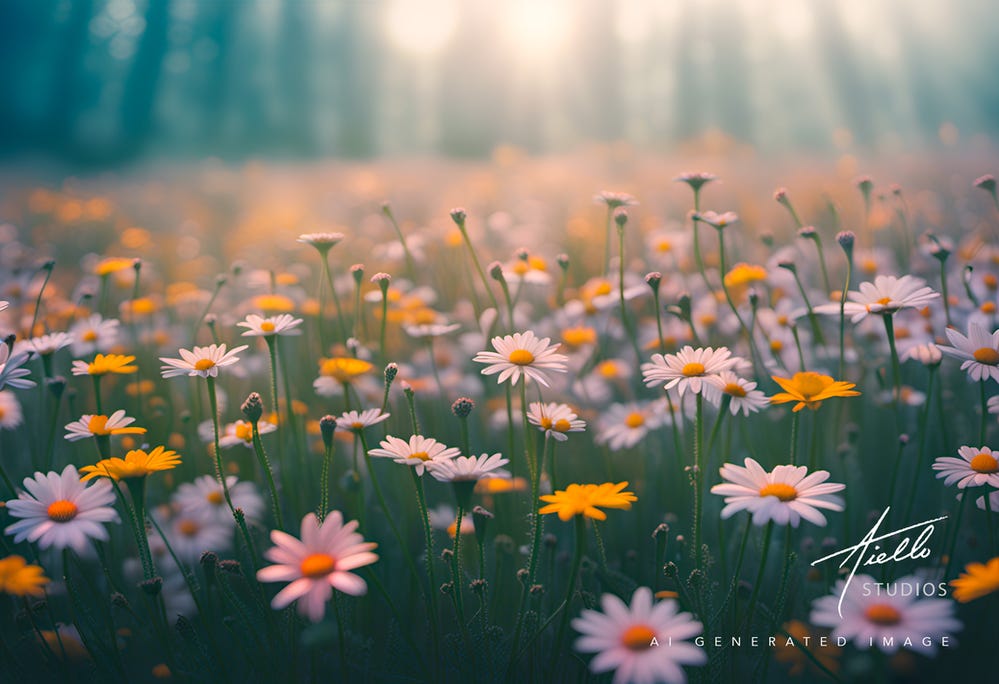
x=582, y=418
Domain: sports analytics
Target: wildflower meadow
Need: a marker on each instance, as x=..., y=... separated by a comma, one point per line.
x=644, y=440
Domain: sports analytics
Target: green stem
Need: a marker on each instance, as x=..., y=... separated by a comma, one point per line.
x=258, y=448
x=698, y=503
x=842, y=317
x=759, y=574
x=577, y=559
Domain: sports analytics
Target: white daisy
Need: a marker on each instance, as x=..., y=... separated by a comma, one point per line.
x=926, y=354
x=642, y=642
x=687, y=369
x=11, y=373
x=742, y=393
x=321, y=241
x=717, y=220
x=204, y=500
x=623, y=426
x=93, y=425
x=886, y=295
x=317, y=564
x=555, y=420
x=93, y=334
x=979, y=351
x=45, y=344
x=978, y=466
x=60, y=511
x=784, y=495
x=469, y=468
x=191, y=535
x=419, y=452
x=240, y=432
x=203, y=361
x=10, y=411
x=890, y=622
x=259, y=326
x=355, y=421
x=522, y=354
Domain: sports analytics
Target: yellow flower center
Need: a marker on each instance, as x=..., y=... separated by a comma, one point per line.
x=357, y=425
x=62, y=510
x=244, y=431
x=987, y=355
x=422, y=455
x=734, y=389
x=562, y=425
x=203, y=364
x=546, y=423
x=634, y=420
x=782, y=320
x=883, y=614
x=776, y=345
x=607, y=369
x=810, y=384
x=693, y=368
x=188, y=528
x=215, y=498
x=638, y=638
x=603, y=288
x=521, y=357
x=89, y=336
x=317, y=565
x=267, y=326
x=884, y=301
x=98, y=425
x=984, y=463
x=664, y=245
x=784, y=492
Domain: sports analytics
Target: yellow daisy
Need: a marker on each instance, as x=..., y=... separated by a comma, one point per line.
x=104, y=364
x=17, y=578
x=577, y=499
x=137, y=463
x=977, y=580
x=344, y=369
x=811, y=389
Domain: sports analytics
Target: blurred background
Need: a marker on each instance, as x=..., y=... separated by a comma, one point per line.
x=98, y=82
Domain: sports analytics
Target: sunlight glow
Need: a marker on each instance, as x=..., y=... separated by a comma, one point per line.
x=421, y=27
x=539, y=30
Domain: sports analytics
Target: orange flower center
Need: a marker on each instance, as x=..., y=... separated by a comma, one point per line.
x=267, y=326
x=521, y=357
x=244, y=431
x=883, y=614
x=635, y=420
x=693, y=368
x=98, y=425
x=203, y=364
x=884, y=301
x=422, y=455
x=734, y=389
x=987, y=355
x=784, y=492
x=188, y=528
x=638, y=638
x=317, y=565
x=562, y=425
x=985, y=463
x=215, y=498
x=546, y=423
x=89, y=336
x=62, y=510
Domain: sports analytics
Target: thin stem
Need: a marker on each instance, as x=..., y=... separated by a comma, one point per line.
x=336, y=297
x=759, y=574
x=698, y=502
x=842, y=316
x=258, y=449
x=577, y=560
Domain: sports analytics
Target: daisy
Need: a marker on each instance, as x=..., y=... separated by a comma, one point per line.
x=742, y=393
x=137, y=463
x=886, y=295
x=258, y=326
x=695, y=179
x=240, y=432
x=625, y=425
x=891, y=622
x=555, y=420
x=979, y=351
x=784, y=495
x=717, y=220
x=425, y=330
x=94, y=333
x=317, y=564
x=687, y=369
x=204, y=500
x=977, y=580
x=469, y=468
x=11, y=372
x=97, y=425
x=587, y=500
x=203, y=361
x=419, y=452
x=60, y=511
x=354, y=421
x=190, y=535
x=445, y=518
x=811, y=389
x=10, y=411
x=978, y=466
x=45, y=344
x=642, y=642
x=522, y=354
x=321, y=241
x=17, y=578
x=615, y=199
x=104, y=364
